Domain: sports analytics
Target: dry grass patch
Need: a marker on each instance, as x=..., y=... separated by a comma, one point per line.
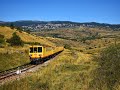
x=7, y=32
x=63, y=73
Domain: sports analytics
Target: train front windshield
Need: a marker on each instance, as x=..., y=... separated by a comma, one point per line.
x=35, y=49
x=31, y=50
x=39, y=49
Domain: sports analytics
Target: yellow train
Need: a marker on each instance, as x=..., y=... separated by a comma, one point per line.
x=41, y=53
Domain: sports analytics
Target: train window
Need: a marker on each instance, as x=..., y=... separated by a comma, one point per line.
x=39, y=49
x=31, y=50
x=35, y=49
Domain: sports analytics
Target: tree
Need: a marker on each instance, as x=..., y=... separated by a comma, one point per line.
x=12, y=26
x=28, y=31
x=19, y=29
x=15, y=40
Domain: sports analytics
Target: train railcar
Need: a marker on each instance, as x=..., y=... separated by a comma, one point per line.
x=41, y=53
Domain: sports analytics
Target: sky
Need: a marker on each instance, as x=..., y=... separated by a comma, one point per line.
x=102, y=11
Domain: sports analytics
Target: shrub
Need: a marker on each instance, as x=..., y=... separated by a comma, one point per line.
x=19, y=29
x=90, y=48
x=12, y=26
x=2, y=40
x=1, y=36
x=107, y=75
x=28, y=31
x=67, y=46
x=15, y=40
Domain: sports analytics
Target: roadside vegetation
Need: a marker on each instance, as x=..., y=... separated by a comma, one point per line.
x=107, y=75
x=90, y=61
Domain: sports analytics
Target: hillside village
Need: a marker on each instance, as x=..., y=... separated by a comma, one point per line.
x=52, y=25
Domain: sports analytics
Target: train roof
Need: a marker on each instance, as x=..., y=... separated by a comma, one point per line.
x=35, y=46
x=38, y=46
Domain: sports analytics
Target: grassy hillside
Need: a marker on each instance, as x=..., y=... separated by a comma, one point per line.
x=11, y=57
x=7, y=32
x=73, y=70
x=89, y=40
x=78, y=39
x=79, y=33
x=79, y=66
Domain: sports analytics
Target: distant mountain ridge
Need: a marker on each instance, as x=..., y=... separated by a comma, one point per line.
x=38, y=25
x=29, y=22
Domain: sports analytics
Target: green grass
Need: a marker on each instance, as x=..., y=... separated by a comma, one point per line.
x=10, y=60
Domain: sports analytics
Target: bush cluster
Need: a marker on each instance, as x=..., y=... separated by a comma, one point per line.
x=107, y=75
x=15, y=40
x=67, y=46
x=2, y=40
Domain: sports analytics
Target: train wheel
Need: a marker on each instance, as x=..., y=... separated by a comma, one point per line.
x=41, y=61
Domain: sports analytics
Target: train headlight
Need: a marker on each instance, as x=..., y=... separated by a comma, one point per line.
x=40, y=55
x=30, y=55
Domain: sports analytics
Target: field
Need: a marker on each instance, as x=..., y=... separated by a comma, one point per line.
x=75, y=68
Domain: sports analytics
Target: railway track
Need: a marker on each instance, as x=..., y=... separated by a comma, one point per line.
x=15, y=71
x=21, y=69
